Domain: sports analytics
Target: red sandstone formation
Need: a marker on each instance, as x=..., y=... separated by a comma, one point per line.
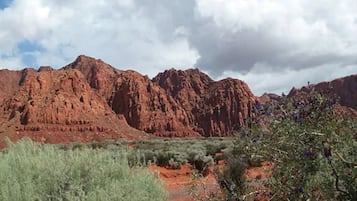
x=269, y=97
x=215, y=108
x=59, y=106
x=90, y=100
x=145, y=105
x=344, y=89
x=9, y=83
x=175, y=103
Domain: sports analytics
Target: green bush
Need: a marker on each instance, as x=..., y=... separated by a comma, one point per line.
x=314, y=150
x=232, y=179
x=201, y=162
x=31, y=172
x=171, y=153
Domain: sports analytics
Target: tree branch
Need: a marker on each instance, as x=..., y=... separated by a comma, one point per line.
x=337, y=180
x=344, y=160
x=252, y=193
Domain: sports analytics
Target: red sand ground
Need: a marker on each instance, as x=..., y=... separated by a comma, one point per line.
x=253, y=173
x=178, y=182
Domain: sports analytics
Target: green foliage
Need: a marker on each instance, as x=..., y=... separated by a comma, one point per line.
x=314, y=150
x=315, y=153
x=201, y=162
x=168, y=152
x=44, y=172
x=232, y=179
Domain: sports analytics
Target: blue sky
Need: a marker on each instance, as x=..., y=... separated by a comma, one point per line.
x=28, y=50
x=26, y=46
x=271, y=45
x=4, y=3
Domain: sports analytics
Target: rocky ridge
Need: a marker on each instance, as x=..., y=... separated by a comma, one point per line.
x=215, y=108
x=89, y=100
x=343, y=89
x=342, y=92
x=58, y=106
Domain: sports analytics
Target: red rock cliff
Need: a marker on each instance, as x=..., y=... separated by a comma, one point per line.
x=145, y=105
x=215, y=108
x=344, y=89
x=174, y=103
x=60, y=106
x=90, y=100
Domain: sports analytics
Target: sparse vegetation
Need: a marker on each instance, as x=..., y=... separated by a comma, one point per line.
x=33, y=172
x=314, y=152
x=168, y=152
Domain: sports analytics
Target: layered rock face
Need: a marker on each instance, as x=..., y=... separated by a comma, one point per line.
x=57, y=107
x=175, y=103
x=89, y=98
x=215, y=108
x=144, y=105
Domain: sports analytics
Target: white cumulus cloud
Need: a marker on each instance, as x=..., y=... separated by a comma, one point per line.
x=273, y=45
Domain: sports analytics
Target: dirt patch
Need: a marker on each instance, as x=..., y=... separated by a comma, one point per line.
x=181, y=184
x=256, y=173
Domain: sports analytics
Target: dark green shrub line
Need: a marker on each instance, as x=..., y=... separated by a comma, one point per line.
x=168, y=152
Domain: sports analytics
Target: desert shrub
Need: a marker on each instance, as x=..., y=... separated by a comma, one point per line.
x=163, y=158
x=173, y=153
x=312, y=151
x=76, y=145
x=32, y=172
x=135, y=158
x=200, y=162
x=220, y=157
x=171, y=159
x=214, y=147
x=174, y=164
x=248, y=147
x=232, y=180
x=170, y=152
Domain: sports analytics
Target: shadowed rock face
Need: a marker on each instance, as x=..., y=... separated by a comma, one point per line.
x=144, y=104
x=175, y=103
x=215, y=108
x=147, y=107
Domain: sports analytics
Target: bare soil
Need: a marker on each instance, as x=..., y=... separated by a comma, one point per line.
x=183, y=186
